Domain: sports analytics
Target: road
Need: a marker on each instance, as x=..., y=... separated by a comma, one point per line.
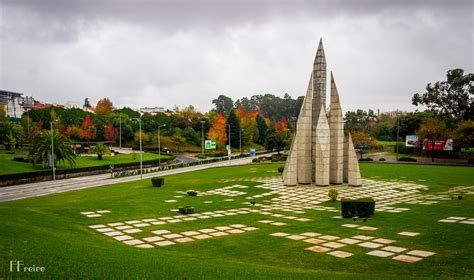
x=49, y=187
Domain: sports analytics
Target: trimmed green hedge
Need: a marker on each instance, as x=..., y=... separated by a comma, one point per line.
x=186, y=210
x=409, y=159
x=157, y=181
x=362, y=207
x=33, y=174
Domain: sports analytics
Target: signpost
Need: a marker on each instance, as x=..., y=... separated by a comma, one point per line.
x=210, y=144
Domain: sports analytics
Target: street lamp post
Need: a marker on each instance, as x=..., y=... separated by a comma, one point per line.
x=52, y=151
x=202, y=134
x=159, y=143
x=240, y=141
x=120, y=130
x=141, y=153
x=229, y=153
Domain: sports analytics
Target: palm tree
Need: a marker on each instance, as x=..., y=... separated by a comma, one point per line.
x=41, y=148
x=11, y=134
x=100, y=149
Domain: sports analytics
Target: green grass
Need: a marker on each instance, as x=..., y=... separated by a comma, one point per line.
x=388, y=143
x=49, y=231
x=10, y=167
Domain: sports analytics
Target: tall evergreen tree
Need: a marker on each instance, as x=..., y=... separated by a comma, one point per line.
x=233, y=121
x=262, y=129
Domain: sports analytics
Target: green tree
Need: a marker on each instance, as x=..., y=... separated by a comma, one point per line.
x=100, y=149
x=274, y=140
x=453, y=97
x=359, y=120
x=11, y=134
x=223, y=104
x=262, y=129
x=432, y=130
x=178, y=140
x=235, y=135
x=464, y=135
x=41, y=147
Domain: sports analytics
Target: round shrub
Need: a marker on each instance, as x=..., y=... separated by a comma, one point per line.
x=408, y=159
x=280, y=169
x=382, y=159
x=333, y=194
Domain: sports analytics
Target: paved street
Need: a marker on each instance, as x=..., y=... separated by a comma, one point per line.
x=49, y=187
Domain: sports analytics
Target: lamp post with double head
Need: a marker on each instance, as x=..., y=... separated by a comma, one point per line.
x=202, y=134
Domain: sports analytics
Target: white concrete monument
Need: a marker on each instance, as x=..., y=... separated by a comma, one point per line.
x=319, y=153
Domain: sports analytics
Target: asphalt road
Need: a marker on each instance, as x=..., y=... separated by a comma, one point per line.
x=49, y=187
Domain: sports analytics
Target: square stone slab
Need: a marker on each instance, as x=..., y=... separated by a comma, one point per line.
x=363, y=237
x=113, y=233
x=303, y=220
x=448, y=221
x=349, y=241
x=328, y=237
x=468, y=222
x=94, y=215
x=124, y=227
x=133, y=242
x=202, y=236
x=103, y=211
x=394, y=249
x=278, y=224
x=123, y=237
x=279, y=234
x=184, y=240
x=161, y=231
x=235, y=231
x=296, y=237
x=207, y=230
x=133, y=230
x=314, y=240
x=237, y=226
x=340, y=254
x=350, y=225
x=142, y=225
x=370, y=245
x=334, y=245
x=383, y=240
x=249, y=228
x=172, y=236
x=420, y=253
x=153, y=238
x=367, y=228
x=318, y=249
x=456, y=218
x=116, y=224
x=265, y=221
x=311, y=234
x=407, y=259
x=223, y=228
x=408, y=233
x=174, y=221
x=149, y=220
x=379, y=253
x=133, y=222
x=218, y=233
x=97, y=226
x=105, y=229
x=190, y=233
x=165, y=243
x=158, y=223
x=145, y=246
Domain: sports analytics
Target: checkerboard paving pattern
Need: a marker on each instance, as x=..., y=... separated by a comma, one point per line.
x=165, y=237
x=377, y=247
x=461, y=220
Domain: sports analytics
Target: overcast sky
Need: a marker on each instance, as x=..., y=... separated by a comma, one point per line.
x=165, y=53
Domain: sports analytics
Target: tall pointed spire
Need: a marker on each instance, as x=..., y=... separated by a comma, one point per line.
x=336, y=124
x=322, y=150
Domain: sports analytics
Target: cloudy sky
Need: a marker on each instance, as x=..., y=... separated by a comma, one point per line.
x=165, y=53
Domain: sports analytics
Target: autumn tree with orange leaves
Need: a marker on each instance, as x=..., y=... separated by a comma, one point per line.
x=104, y=107
x=218, y=130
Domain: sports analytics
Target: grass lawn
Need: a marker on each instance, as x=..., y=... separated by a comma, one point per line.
x=50, y=232
x=9, y=166
x=388, y=143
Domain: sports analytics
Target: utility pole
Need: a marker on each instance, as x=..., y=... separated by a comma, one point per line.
x=52, y=151
x=229, y=151
x=159, y=143
x=202, y=134
x=240, y=141
x=398, y=134
x=120, y=129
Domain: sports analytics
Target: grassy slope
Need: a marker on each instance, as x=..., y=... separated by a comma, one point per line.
x=10, y=167
x=49, y=231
